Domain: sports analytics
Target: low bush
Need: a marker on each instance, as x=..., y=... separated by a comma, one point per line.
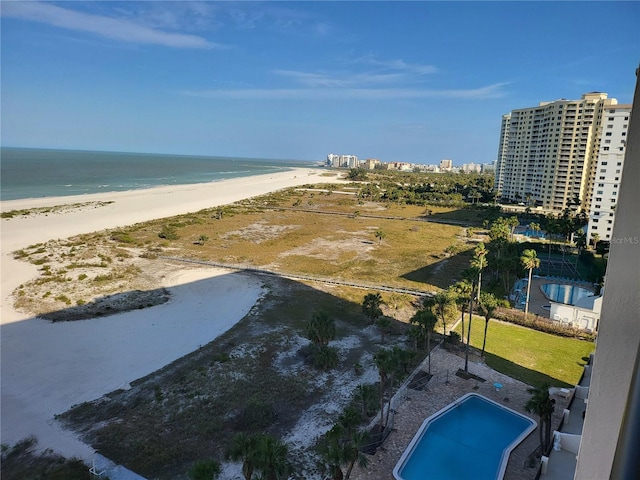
x=541, y=324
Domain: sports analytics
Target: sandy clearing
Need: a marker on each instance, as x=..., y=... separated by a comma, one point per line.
x=48, y=367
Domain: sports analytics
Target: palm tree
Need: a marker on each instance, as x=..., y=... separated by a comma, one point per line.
x=350, y=418
x=331, y=451
x=272, y=458
x=596, y=238
x=244, y=448
x=341, y=447
x=384, y=361
x=444, y=307
x=384, y=324
x=365, y=395
x=542, y=405
x=529, y=260
x=463, y=290
x=321, y=329
x=352, y=453
x=426, y=321
x=487, y=306
x=371, y=306
x=478, y=263
x=380, y=235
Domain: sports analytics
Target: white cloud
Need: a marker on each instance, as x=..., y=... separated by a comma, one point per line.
x=398, y=65
x=487, y=92
x=313, y=80
x=108, y=27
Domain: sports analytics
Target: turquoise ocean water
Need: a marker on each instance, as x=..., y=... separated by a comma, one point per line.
x=36, y=173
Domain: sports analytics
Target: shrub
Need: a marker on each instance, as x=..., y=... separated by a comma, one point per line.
x=64, y=299
x=82, y=276
x=204, y=470
x=541, y=324
x=122, y=237
x=324, y=357
x=168, y=233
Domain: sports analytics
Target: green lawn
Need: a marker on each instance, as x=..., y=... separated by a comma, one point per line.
x=531, y=356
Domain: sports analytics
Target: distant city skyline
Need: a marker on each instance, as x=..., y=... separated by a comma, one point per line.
x=414, y=82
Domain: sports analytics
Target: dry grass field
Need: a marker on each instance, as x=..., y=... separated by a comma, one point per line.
x=300, y=231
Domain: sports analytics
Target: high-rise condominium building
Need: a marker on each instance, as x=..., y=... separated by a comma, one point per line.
x=605, y=182
x=547, y=154
x=446, y=165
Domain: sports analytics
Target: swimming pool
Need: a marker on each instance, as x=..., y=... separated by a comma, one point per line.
x=568, y=294
x=470, y=438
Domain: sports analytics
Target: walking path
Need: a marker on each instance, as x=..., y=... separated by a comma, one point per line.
x=294, y=276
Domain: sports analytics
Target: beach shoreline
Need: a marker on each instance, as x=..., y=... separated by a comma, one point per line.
x=49, y=367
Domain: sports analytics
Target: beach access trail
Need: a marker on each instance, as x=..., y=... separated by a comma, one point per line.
x=48, y=367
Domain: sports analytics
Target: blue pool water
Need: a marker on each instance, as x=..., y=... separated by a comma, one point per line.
x=469, y=439
x=568, y=294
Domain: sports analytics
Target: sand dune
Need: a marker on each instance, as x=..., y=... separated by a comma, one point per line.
x=49, y=367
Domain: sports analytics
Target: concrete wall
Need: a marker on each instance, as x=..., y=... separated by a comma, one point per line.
x=576, y=316
x=619, y=329
x=569, y=442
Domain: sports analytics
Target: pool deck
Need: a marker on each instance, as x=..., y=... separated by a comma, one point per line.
x=538, y=300
x=414, y=407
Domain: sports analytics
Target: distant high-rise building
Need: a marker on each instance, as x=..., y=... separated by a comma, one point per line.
x=471, y=168
x=342, y=161
x=446, y=165
x=547, y=154
x=605, y=181
x=371, y=163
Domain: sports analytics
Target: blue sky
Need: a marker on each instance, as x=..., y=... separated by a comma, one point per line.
x=399, y=81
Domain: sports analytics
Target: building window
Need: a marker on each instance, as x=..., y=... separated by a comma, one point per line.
x=606, y=149
x=607, y=141
x=595, y=220
x=599, y=192
x=608, y=134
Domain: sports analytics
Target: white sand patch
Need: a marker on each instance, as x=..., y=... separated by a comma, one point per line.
x=346, y=343
x=332, y=249
x=321, y=416
x=287, y=361
x=259, y=232
x=48, y=367
x=231, y=471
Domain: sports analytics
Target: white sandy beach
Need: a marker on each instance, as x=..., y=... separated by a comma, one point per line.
x=49, y=367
